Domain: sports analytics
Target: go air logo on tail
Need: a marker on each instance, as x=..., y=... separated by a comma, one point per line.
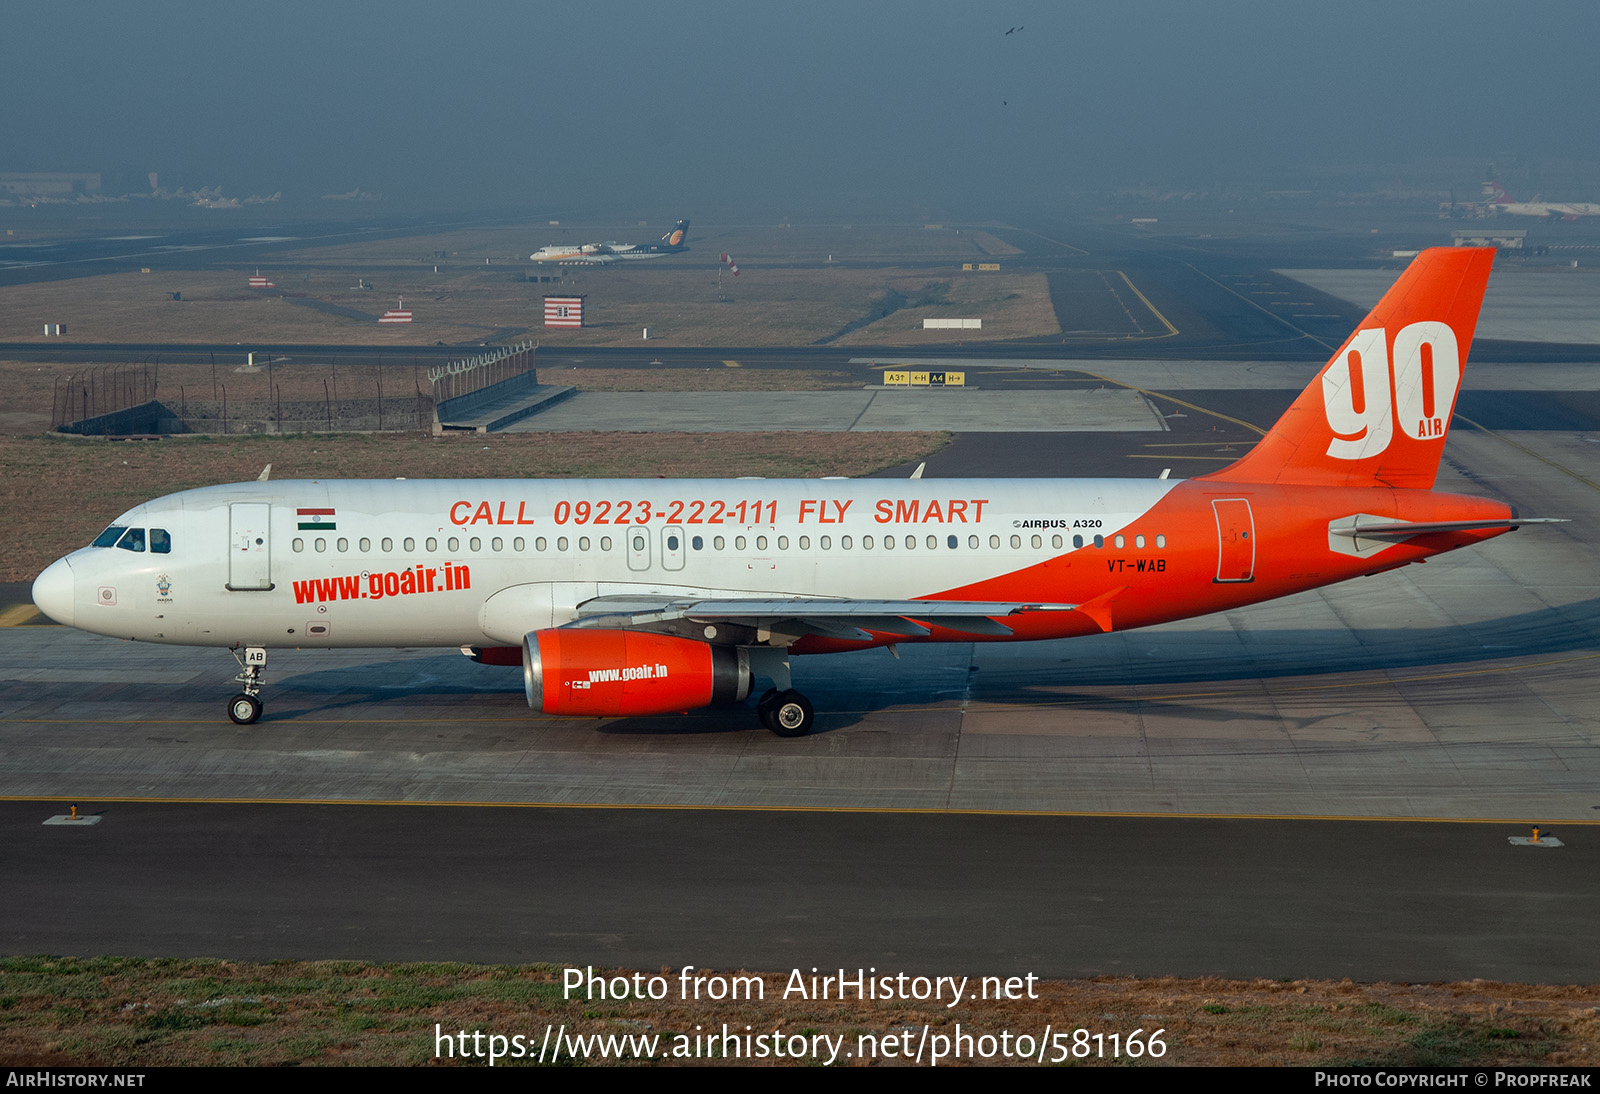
x=1361, y=404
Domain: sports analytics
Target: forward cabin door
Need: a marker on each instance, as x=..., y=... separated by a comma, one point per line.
x=249, y=546
x=1236, y=540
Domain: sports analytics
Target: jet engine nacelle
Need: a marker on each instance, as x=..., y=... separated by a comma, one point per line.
x=622, y=673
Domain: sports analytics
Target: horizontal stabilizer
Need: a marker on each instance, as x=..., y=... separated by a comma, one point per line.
x=1422, y=528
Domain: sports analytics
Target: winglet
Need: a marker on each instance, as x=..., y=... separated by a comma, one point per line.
x=1099, y=609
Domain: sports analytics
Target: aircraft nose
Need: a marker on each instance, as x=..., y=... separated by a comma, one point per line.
x=52, y=591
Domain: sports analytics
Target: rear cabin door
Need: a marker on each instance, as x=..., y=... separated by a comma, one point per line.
x=249, y=546
x=1236, y=540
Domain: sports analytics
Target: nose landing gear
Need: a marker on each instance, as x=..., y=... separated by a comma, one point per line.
x=245, y=707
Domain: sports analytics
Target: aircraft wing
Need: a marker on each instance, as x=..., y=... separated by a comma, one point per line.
x=833, y=617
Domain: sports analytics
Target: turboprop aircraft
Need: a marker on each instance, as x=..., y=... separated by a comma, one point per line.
x=650, y=596
x=599, y=254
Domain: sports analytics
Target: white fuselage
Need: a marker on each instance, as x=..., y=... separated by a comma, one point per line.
x=483, y=561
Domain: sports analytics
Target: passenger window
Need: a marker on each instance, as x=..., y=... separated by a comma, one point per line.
x=1016, y=542
x=1138, y=541
x=109, y=537
x=320, y=544
x=933, y=543
x=1161, y=541
x=952, y=541
x=366, y=545
x=583, y=543
x=497, y=543
x=132, y=540
x=561, y=543
x=519, y=544
x=972, y=542
x=410, y=544
x=388, y=544
x=1037, y=542
x=160, y=542
x=783, y=543
x=605, y=543
x=761, y=543
x=738, y=543
x=994, y=543
x=805, y=543
x=475, y=544
x=824, y=542
x=431, y=543
x=1099, y=541
x=911, y=542
x=844, y=542
x=1077, y=541
x=699, y=543
x=672, y=543
x=1121, y=542
x=719, y=543
x=344, y=545
x=541, y=544
x=298, y=545
x=888, y=543
x=1055, y=541
x=453, y=543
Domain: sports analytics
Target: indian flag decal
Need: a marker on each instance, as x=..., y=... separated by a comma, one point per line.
x=315, y=520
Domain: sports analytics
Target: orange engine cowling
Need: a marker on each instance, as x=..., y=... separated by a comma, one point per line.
x=601, y=673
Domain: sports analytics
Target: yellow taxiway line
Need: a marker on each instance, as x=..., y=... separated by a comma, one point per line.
x=1544, y=823
x=17, y=615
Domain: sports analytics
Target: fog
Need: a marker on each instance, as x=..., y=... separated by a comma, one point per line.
x=827, y=108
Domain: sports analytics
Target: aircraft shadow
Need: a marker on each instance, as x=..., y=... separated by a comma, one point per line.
x=847, y=688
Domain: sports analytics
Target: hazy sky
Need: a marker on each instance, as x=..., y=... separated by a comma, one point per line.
x=822, y=106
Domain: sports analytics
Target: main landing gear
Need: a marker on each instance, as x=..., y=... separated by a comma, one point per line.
x=786, y=713
x=782, y=709
x=245, y=707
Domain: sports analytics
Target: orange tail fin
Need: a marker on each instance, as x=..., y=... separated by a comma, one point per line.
x=1379, y=412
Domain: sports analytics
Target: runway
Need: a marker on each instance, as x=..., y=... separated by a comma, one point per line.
x=932, y=894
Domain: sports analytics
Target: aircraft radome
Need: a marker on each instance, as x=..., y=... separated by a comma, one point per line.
x=651, y=596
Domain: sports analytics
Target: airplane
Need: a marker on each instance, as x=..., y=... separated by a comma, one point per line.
x=595, y=254
x=1501, y=202
x=641, y=597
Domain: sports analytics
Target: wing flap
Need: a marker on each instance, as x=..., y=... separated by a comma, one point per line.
x=834, y=617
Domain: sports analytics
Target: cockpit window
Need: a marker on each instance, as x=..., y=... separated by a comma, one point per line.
x=132, y=540
x=160, y=542
x=109, y=537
